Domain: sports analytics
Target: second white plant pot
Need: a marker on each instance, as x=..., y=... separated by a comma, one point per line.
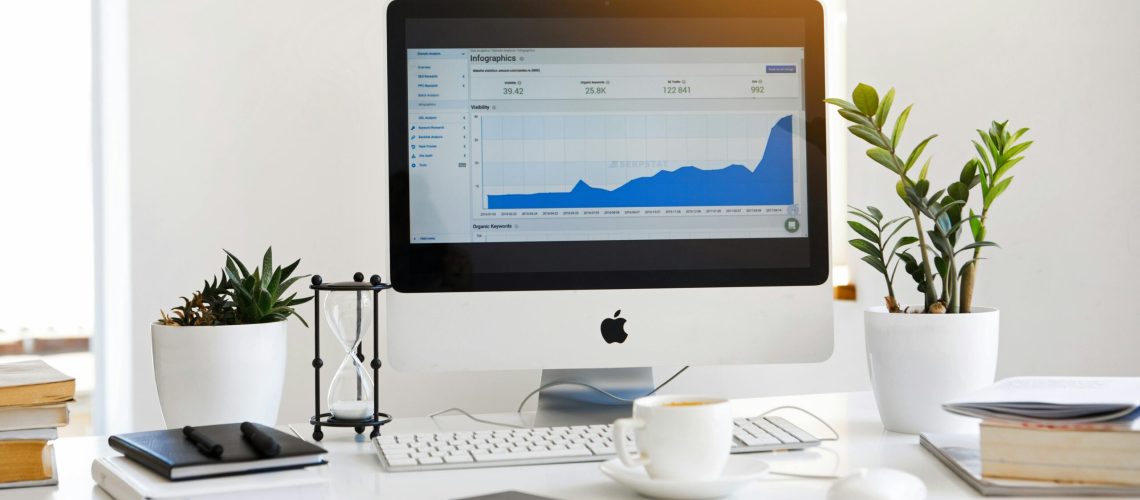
x=918, y=362
x=219, y=374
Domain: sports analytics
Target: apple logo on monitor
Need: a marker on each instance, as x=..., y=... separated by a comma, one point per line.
x=613, y=329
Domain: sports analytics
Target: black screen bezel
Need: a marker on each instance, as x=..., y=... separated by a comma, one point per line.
x=461, y=267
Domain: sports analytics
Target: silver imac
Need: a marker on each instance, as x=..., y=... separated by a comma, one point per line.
x=594, y=187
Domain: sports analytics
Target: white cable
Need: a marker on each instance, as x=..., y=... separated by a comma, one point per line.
x=600, y=390
x=803, y=476
x=552, y=384
x=473, y=417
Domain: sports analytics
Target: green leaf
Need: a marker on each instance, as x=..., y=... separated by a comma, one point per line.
x=1001, y=171
x=982, y=155
x=869, y=134
x=946, y=207
x=876, y=263
x=934, y=197
x=942, y=244
x=288, y=270
x=857, y=118
x=969, y=175
x=994, y=152
x=884, y=108
x=979, y=244
x=864, y=231
x=267, y=262
x=888, y=224
x=1015, y=150
x=900, y=123
x=884, y=158
x=902, y=224
x=297, y=302
x=289, y=282
x=237, y=262
x=864, y=216
x=865, y=247
x=841, y=103
x=996, y=191
x=866, y=99
x=925, y=170
x=922, y=187
x=902, y=242
x=1017, y=135
x=275, y=280
x=875, y=212
x=918, y=151
x=976, y=226
x=958, y=191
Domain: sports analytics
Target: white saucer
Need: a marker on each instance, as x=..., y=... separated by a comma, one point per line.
x=739, y=472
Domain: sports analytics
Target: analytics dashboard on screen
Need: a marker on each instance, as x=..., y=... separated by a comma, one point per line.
x=583, y=144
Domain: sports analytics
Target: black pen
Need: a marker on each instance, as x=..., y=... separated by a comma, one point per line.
x=205, y=445
x=261, y=441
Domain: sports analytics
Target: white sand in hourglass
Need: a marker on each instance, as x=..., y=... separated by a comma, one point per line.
x=351, y=410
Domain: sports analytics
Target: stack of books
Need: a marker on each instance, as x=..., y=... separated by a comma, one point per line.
x=1062, y=430
x=1096, y=453
x=218, y=461
x=33, y=405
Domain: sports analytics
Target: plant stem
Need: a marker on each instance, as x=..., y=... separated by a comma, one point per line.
x=952, y=285
x=892, y=303
x=969, y=275
x=966, y=292
x=929, y=288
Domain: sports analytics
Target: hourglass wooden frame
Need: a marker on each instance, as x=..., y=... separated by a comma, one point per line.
x=325, y=419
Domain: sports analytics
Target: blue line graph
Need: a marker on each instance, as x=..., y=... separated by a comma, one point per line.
x=769, y=183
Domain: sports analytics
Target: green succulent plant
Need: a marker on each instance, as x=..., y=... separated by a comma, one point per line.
x=947, y=284
x=257, y=295
x=241, y=297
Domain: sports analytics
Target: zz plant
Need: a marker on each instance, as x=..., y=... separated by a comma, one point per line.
x=944, y=276
x=241, y=297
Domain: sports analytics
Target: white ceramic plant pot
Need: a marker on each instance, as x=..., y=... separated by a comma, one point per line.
x=219, y=374
x=919, y=361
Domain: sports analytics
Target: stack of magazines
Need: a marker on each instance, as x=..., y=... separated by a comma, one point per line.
x=1048, y=435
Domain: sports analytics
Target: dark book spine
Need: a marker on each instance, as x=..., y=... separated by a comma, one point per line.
x=140, y=456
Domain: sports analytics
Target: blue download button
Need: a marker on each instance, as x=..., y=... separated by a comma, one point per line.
x=780, y=68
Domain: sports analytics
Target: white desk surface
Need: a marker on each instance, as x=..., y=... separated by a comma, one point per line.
x=356, y=473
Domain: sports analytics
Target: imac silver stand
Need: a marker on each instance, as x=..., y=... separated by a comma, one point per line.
x=563, y=405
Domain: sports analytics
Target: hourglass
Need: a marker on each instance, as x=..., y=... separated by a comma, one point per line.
x=350, y=309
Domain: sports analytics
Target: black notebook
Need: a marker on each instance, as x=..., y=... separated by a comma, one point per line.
x=173, y=456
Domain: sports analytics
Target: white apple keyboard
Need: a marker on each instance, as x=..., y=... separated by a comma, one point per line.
x=553, y=445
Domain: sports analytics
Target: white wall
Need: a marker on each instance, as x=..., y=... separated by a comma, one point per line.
x=263, y=122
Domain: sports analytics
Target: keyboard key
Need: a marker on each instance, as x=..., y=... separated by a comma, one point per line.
x=601, y=449
x=400, y=462
x=458, y=458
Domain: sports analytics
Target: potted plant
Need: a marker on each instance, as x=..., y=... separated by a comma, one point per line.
x=220, y=356
x=922, y=355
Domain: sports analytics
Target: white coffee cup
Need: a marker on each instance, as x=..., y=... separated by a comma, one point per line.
x=677, y=437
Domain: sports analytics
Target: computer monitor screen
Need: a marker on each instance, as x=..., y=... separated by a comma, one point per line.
x=567, y=151
x=557, y=166
x=595, y=144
